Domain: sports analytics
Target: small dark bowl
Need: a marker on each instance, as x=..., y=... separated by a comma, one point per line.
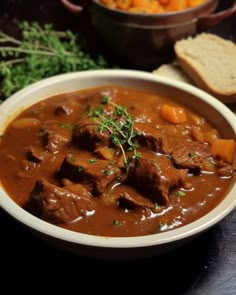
x=144, y=41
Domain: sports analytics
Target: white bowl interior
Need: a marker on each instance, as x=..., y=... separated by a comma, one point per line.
x=188, y=95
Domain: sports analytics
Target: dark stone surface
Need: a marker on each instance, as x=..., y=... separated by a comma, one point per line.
x=207, y=265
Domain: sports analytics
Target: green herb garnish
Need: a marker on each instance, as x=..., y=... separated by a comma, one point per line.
x=67, y=126
x=72, y=156
x=116, y=222
x=156, y=165
x=80, y=169
x=192, y=154
x=42, y=52
x=119, y=124
x=106, y=172
x=180, y=193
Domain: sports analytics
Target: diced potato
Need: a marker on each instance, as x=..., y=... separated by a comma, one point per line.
x=198, y=120
x=197, y=134
x=211, y=136
x=208, y=165
x=26, y=123
x=105, y=152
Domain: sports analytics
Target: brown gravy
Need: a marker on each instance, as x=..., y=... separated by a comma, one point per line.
x=59, y=161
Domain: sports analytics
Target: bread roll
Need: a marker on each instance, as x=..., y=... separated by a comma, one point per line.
x=173, y=71
x=210, y=61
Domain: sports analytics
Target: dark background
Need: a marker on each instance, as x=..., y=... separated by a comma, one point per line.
x=206, y=265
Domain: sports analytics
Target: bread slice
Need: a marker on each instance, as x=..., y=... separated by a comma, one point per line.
x=210, y=61
x=173, y=71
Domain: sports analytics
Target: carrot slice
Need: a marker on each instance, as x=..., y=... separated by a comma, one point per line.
x=164, y=2
x=192, y=3
x=149, y=6
x=123, y=4
x=175, y=115
x=176, y=5
x=224, y=149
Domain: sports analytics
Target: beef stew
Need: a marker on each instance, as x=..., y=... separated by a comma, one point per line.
x=115, y=161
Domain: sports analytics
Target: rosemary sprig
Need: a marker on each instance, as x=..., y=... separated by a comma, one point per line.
x=42, y=52
x=119, y=124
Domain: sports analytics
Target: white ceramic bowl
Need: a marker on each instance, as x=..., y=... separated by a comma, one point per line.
x=128, y=247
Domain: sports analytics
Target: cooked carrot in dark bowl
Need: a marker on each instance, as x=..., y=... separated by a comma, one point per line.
x=141, y=33
x=151, y=6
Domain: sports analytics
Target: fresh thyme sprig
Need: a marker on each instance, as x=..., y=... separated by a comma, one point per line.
x=42, y=52
x=119, y=124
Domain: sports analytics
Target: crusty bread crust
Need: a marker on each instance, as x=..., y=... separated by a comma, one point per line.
x=210, y=61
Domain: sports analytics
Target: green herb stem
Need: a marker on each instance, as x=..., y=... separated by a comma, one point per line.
x=13, y=61
x=27, y=51
x=5, y=38
x=42, y=52
x=119, y=124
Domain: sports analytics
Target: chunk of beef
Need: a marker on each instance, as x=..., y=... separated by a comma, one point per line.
x=28, y=169
x=34, y=154
x=156, y=177
x=87, y=135
x=160, y=139
x=156, y=144
x=56, y=135
x=225, y=169
x=67, y=108
x=58, y=205
x=150, y=139
x=96, y=175
x=127, y=200
x=63, y=110
x=94, y=100
x=106, y=153
x=89, y=132
x=190, y=154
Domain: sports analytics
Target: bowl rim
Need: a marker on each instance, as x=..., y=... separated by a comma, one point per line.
x=187, y=231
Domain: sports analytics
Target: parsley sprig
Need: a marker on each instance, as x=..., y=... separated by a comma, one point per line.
x=120, y=126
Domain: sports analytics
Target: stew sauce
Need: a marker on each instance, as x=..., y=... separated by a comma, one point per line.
x=113, y=161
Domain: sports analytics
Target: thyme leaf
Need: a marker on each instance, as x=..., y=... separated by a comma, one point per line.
x=42, y=52
x=119, y=124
